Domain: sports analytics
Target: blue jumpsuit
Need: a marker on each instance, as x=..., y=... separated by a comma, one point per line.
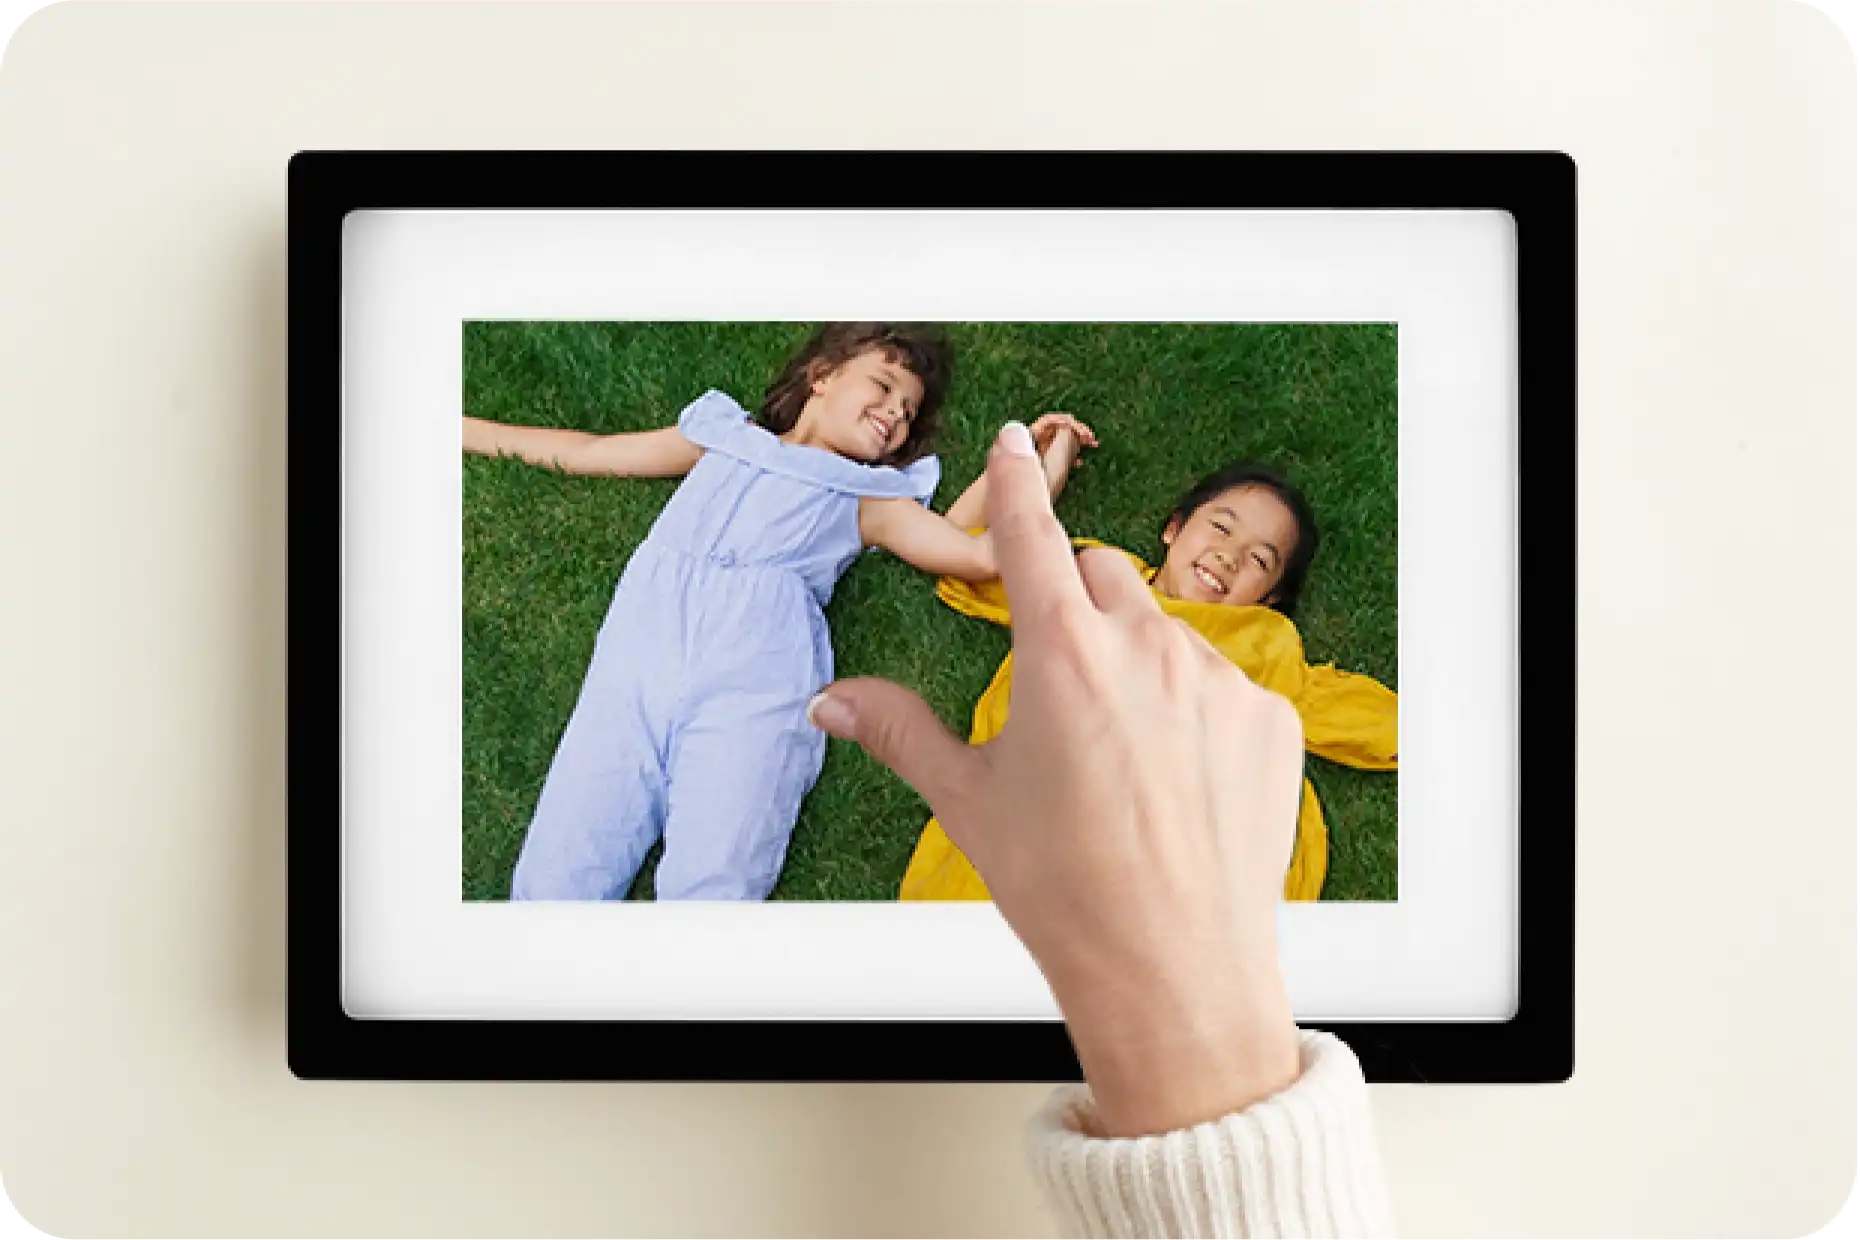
x=692, y=718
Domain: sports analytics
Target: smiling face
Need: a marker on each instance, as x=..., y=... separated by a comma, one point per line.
x=1231, y=550
x=862, y=408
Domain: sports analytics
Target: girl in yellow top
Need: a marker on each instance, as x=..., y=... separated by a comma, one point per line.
x=1239, y=545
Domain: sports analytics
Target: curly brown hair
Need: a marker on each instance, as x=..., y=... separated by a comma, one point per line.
x=921, y=348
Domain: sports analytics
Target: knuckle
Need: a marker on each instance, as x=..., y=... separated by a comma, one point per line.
x=1059, y=627
x=1192, y=640
x=1163, y=649
x=885, y=736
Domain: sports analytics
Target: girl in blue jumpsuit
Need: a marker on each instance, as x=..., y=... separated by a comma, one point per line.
x=691, y=722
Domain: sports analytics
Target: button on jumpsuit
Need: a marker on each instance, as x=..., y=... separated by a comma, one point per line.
x=691, y=721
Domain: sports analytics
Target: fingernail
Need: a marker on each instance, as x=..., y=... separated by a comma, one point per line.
x=1016, y=440
x=830, y=715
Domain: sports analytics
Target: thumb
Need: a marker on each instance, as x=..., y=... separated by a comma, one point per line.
x=899, y=729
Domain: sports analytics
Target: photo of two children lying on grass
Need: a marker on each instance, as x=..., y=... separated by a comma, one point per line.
x=676, y=534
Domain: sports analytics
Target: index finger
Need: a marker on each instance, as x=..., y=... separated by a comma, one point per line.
x=1032, y=552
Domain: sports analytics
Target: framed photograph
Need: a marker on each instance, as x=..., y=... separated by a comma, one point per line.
x=581, y=450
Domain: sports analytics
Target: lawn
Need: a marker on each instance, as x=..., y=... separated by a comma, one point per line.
x=1169, y=402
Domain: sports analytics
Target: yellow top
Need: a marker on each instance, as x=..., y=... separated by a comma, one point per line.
x=1348, y=718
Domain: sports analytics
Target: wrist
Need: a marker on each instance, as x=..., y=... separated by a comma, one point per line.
x=1169, y=1055
x=1057, y=465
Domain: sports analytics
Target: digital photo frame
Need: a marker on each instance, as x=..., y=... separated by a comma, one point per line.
x=1465, y=975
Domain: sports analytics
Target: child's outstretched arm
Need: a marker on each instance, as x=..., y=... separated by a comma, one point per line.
x=1058, y=437
x=927, y=540
x=642, y=454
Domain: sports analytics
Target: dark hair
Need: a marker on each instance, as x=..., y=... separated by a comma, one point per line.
x=921, y=348
x=1284, y=596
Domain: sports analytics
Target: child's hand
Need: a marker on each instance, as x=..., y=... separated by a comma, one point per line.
x=1047, y=426
x=1058, y=438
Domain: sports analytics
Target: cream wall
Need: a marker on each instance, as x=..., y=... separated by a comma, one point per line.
x=143, y=1087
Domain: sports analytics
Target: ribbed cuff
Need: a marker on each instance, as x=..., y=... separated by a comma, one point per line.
x=1300, y=1163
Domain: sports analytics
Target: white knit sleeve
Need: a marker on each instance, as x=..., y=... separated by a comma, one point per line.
x=1300, y=1163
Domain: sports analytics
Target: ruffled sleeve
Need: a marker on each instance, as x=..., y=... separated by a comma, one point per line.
x=920, y=478
x=717, y=423
x=712, y=421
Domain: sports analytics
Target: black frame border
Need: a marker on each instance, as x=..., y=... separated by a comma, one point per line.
x=1538, y=190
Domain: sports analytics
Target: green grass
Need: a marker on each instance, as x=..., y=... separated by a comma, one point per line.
x=1169, y=403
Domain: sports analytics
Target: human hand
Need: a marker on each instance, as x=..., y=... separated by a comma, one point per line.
x=1047, y=428
x=1133, y=820
x=1059, y=438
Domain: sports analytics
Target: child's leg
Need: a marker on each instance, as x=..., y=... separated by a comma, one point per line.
x=601, y=809
x=603, y=804
x=740, y=766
